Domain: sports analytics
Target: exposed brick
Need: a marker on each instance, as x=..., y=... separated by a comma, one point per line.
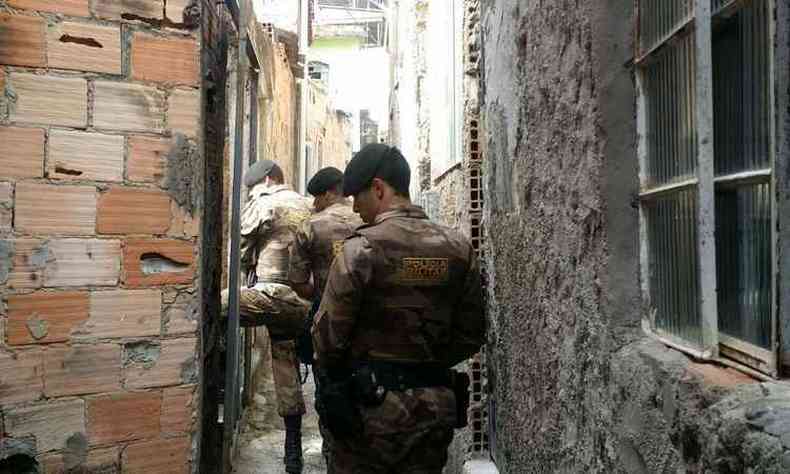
x=82, y=369
x=84, y=47
x=177, y=408
x=122, y=313
x=49, y=100
x=52, y=424
x=169, y=456
x=6, y=206
x=124, y=417
x=182, y=59
x=147, y=159
x=181, y=312
x=150, y=262
x=28, y=259
x=83, y=262
x=22, y=40
x=96, y=461
x=128, y=9
x=174, y=366
x=23, y=152
x=21, y=376
x=183, y=115
x=65, y=7
x=45, y=316
x=52, y=209
x=131, y=107
x=79, y=155
x=125, y=210
x=183, y=224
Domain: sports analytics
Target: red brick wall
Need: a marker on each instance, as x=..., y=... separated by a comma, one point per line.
x=100, y=127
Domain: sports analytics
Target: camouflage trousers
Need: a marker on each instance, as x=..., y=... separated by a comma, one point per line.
x=423, y=452
x=409, y=433
x=283, y=312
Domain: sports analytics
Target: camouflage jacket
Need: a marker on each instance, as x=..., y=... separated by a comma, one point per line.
x=403, y=289
x=318, y=241
x=269, y=223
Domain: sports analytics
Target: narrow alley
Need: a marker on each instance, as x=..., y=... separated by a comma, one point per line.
x=565, y=223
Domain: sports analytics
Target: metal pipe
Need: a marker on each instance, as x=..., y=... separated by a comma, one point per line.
x=230, y=415
x=303, y=32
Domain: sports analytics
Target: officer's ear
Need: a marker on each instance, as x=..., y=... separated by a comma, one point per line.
x=379, y=187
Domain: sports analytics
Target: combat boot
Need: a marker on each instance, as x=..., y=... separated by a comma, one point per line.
x=293, y=444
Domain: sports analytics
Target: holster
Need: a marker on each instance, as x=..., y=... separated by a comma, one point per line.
x=460, y=386
x=337, y=406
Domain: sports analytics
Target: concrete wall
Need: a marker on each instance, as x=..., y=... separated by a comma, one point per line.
x=102, y=179
x=577, y=385
x=328, y=131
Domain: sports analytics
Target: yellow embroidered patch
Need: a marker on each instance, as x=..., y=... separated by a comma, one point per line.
x=337, y=247
x=294, y=218
x=416, y=270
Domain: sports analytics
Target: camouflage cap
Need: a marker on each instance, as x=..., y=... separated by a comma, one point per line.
x=377, y=161
x=324, y=180
x=258, y=172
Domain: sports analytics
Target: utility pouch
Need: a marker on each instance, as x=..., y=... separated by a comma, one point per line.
x=460, y=386
x=338, y=410
x=304, y=343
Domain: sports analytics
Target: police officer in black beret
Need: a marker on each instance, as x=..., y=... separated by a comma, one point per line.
x=402, y=305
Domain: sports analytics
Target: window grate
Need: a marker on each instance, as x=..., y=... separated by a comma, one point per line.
x=659, y=19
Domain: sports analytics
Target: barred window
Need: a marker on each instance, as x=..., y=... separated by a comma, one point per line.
x=705, y=121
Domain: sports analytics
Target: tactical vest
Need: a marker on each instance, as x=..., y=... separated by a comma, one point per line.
x=330, y=228
x=419, y=271
x=274, y=257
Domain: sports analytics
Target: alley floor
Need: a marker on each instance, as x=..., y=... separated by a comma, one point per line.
x=261, y=448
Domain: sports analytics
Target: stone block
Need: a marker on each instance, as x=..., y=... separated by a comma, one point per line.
x=65, y=7
x=181, y=312
x=127, y=210
x=82, y=262
x=183, y=114
x=83, y=47
x=182, y=63
x=152, y=262
x=147, y=159
x=22, y=40
x=52, y=209
x=129, y=9
x=52, y=424
x=93, y=461
x=122, y=313
x=22, y=263
x=21, y=376
x=173, y=362
x=6, y=206
x=81, y=156
x=124, y=417
x=23, y=152
x=49, y=100
x=167, y=455
x=82, y=369
x=177, y=409
x=45, y=317
x=128, y=107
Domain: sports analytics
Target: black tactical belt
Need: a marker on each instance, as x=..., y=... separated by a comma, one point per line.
x=397, y=376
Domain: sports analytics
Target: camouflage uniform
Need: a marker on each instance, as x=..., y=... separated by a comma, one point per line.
x=319, y=240
x=269, y=223
x=403, y=290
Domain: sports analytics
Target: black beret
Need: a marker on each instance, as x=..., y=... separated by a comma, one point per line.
x=324, y=180
x=258, y=172
x=377, y=161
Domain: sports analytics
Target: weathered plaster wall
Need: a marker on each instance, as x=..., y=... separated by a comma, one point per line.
x=328, y=131
x=278, y=111
x=102, y=181
x=578, y=387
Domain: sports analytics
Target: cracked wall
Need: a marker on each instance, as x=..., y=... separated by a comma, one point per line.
x=101, y=203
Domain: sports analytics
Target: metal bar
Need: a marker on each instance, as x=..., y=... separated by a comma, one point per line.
x=772, y=148
x=671, y=37
x=706, y=218
x=686, y=183
x=230, y=415
x=759, y=175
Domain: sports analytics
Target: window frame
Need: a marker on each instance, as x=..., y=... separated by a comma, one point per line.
x=714, y=343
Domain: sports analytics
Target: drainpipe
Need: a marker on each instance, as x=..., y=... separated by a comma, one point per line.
x=304, y=18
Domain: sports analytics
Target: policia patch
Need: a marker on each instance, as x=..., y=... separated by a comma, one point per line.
x=423, y=271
